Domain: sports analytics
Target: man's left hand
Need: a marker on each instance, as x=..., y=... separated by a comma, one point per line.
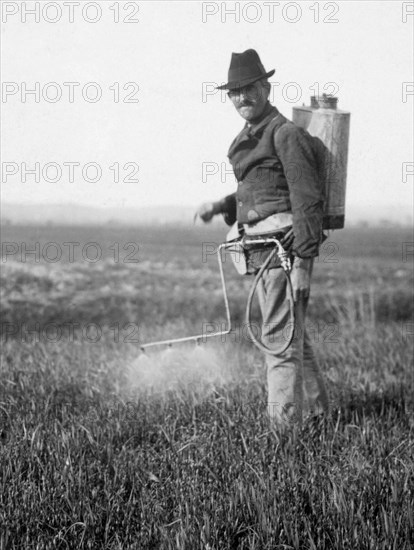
x=300, y=278
x=287, y=240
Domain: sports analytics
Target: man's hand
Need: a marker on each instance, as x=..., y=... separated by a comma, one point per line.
x=287, y=240
x=300, y=278
x=207, y=210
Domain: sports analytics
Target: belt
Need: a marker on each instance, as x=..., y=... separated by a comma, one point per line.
x=280, y=222
x=271, y=235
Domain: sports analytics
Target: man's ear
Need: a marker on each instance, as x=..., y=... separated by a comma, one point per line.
x=267, y=87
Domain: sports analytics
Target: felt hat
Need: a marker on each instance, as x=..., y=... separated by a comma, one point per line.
x=245, y=68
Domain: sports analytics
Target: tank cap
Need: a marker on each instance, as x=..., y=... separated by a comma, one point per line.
x=325, y=101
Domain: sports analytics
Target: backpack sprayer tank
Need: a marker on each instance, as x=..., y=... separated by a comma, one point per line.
x=330, y=127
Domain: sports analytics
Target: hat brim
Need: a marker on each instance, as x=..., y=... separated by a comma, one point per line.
x=234, y=85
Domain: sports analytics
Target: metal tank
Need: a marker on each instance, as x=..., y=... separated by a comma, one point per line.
x=330, y=128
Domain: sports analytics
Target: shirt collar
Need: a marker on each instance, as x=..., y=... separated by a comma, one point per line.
x=249, y=130
x=269, y=112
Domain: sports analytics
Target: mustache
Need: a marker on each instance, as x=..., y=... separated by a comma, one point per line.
x=246, y=104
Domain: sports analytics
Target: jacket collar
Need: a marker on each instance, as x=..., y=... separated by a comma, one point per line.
x=269, y=112
x=250, y=130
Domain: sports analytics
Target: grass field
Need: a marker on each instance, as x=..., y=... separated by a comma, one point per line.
x=104, y=449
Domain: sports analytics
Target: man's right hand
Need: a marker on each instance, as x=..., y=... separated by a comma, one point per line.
x=207, y=210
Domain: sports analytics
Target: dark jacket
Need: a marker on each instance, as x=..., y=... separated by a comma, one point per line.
x=276, y=169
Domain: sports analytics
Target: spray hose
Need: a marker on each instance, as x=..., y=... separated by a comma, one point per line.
x=286, y=266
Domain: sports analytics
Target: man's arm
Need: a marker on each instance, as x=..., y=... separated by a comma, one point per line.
x=306, y=193
x=226, y=206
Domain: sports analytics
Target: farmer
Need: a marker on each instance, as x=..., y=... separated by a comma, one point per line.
x=278, y=192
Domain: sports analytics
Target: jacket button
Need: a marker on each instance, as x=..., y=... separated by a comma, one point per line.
x=240, y=203
x=240, y=183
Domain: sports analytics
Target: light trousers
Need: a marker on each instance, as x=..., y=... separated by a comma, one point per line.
x=295, y=384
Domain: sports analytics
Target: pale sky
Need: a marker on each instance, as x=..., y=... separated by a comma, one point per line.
x=173, y=129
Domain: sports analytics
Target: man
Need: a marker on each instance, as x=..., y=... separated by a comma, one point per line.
x=278, y=192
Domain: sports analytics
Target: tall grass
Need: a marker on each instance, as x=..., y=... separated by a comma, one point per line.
x=91, y=461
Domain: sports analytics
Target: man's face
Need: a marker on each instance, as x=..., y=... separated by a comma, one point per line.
x=250, y=100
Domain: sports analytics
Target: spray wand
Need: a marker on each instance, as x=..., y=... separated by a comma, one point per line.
x=285, y=265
